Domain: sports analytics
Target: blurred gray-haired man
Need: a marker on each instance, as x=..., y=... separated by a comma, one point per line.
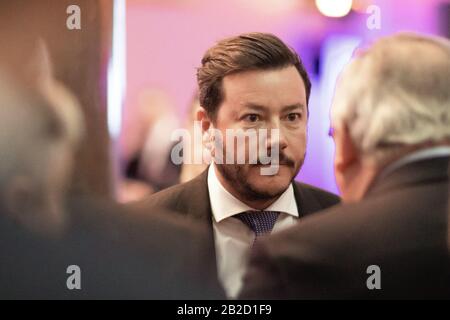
x=37, y=145
x=117, y=252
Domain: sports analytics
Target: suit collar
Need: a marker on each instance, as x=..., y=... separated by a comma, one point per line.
x=224, y=205
x=419, y=155
x=307, y=203
x=197, y=195
x=418, y=172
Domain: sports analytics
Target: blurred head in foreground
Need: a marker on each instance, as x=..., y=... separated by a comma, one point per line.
x=41, y=125
x=391, y=100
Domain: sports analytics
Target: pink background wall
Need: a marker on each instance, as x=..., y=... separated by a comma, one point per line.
x=166, y=40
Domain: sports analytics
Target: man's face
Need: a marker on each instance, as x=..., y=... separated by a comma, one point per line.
x=264, y=99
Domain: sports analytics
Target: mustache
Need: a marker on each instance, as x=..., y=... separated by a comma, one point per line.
x=282, y=160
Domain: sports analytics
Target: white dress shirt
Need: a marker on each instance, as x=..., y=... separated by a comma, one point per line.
x=233, y=239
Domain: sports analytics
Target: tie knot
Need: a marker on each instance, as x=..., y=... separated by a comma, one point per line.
x=260, y=222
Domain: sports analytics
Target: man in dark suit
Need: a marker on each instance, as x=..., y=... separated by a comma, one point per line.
x=251, y=86
x=389, y=240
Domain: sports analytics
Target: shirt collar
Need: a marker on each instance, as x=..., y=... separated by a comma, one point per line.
x=225, y=205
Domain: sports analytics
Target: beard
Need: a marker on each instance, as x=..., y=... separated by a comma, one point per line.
x=237, y=176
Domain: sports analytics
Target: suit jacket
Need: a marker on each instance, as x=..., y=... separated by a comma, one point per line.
x=401, y=226
x=122, y=254
x=192, y=199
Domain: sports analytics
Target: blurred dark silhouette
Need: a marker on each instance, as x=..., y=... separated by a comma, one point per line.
x=120, y=252
x=56, y=208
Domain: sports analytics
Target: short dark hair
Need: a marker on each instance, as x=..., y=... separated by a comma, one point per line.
x=251, y=51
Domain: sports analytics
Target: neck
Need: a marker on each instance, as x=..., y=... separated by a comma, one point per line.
x=259, y=204
x=359, y=180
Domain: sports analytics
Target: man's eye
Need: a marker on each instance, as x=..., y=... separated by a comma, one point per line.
x=293, y=116
x=251, y=117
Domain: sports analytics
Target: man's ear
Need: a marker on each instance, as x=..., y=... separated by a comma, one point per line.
x=202, y=116
x=346, y=152
x=208, y=135
x=19, y=199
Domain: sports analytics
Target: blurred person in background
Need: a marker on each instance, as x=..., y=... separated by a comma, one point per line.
x=191, y=170
x=40, y=129
x=146, y=144
x=389, y=240
x=249, y=81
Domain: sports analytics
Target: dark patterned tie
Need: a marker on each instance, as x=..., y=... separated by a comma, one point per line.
x=260, y=222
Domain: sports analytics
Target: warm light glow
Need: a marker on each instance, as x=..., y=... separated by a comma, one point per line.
x=334, y=8
x=270, y=7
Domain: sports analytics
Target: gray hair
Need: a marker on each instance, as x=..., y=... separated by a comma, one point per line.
x=396, y=94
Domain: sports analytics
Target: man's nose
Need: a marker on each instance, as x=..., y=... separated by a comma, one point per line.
x=276, y=136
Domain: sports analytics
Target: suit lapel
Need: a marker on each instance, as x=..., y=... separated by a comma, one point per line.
x=306, y=202
x=196, y=203
x=199, y=205
x=196, y=198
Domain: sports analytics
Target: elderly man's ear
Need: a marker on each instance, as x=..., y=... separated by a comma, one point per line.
x=347, y=165
x=345, y=153
x=354, y=174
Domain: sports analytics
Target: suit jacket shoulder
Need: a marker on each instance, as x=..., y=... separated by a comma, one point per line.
x=401, y=227
x=190, y=198
x=122, y=254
